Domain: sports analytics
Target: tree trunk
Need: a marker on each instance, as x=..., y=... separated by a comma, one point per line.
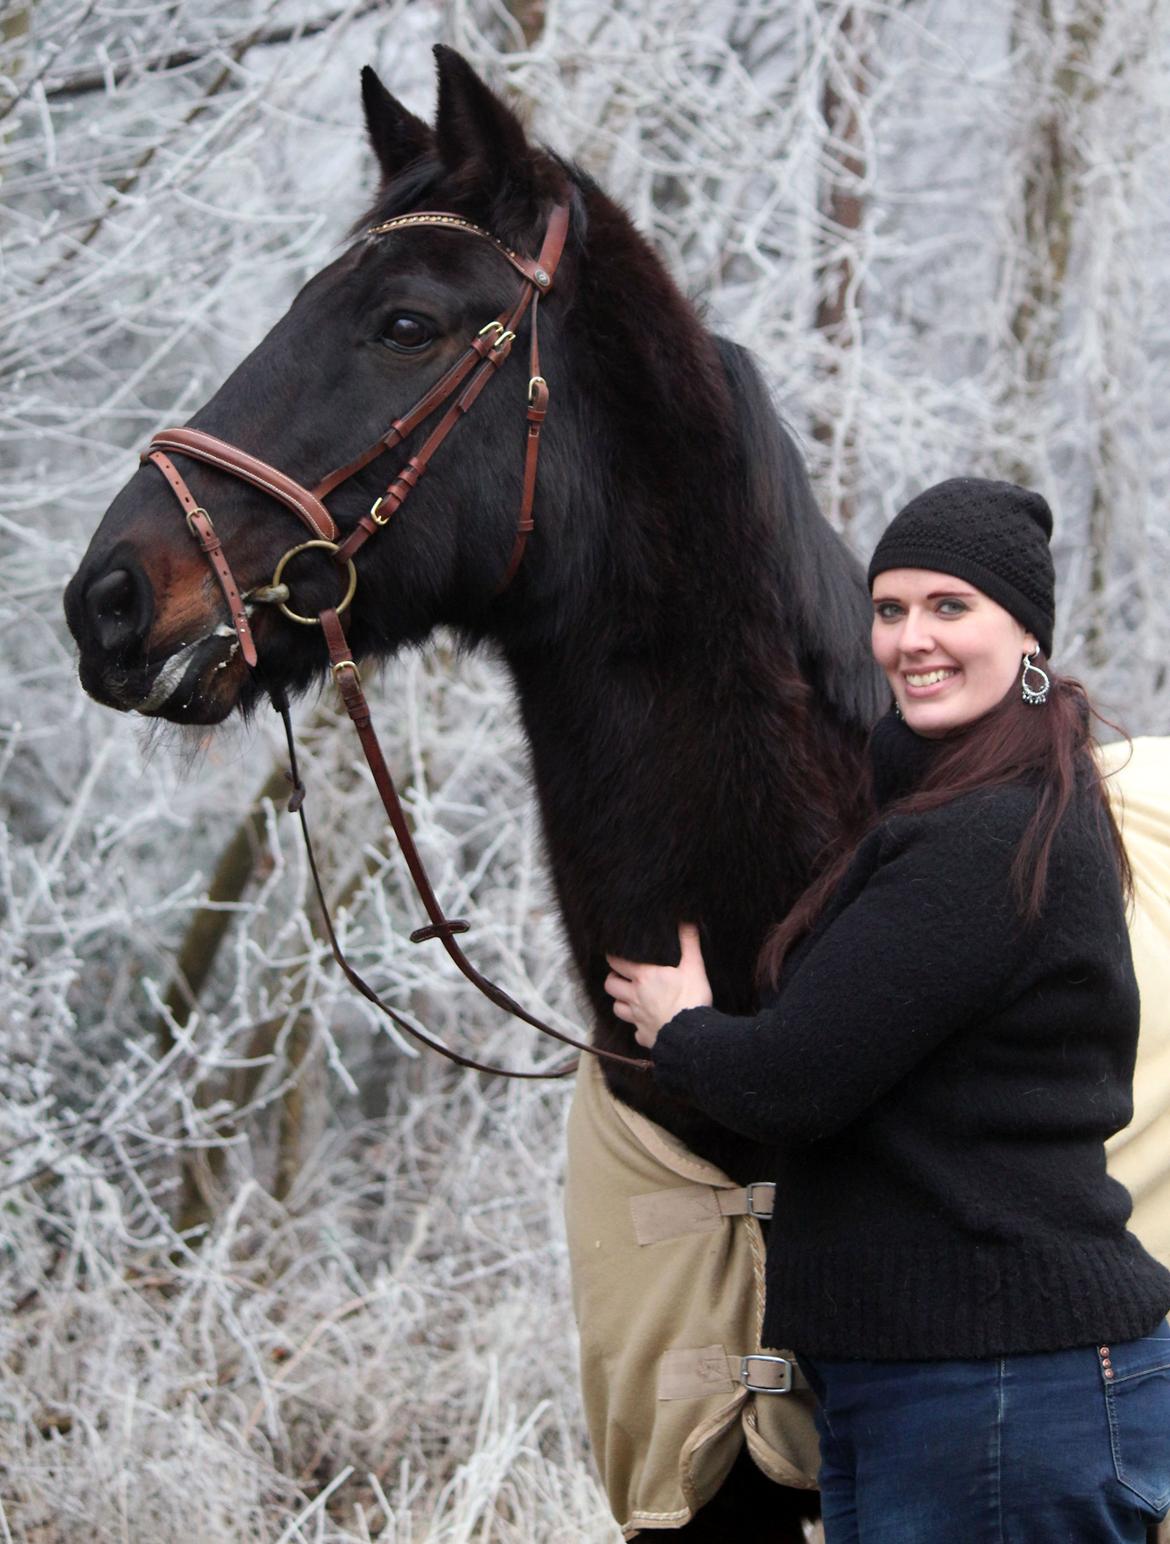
x=202, y=1170
x=841, y=205
x=1058, y=51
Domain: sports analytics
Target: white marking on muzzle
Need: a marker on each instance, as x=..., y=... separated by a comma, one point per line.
x=175, y=667
x=168, y=678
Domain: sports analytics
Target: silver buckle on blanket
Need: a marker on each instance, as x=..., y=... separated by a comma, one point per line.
x=784, y=1386
x=762, y=1208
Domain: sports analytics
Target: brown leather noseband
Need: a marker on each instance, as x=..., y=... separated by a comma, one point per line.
x=456, y=390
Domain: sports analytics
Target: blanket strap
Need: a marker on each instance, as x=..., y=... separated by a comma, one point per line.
x=663, y=1214
x=693, y=1373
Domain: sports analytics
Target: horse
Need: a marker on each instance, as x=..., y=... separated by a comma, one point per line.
x=685, y=632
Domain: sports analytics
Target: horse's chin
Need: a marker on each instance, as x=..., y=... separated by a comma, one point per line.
x=198, y=683
x=198, y=698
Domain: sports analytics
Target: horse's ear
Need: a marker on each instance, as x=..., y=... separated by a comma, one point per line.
x=479, y=138
x=397, y=136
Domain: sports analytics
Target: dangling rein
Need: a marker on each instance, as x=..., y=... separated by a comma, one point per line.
x=463, y=381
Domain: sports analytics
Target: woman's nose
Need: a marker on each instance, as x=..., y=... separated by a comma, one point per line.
x=917, y=633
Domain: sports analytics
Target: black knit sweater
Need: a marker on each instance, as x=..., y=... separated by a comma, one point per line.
x=940, y=1079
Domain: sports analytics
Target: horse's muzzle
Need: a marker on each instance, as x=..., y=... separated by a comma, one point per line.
x=110, y=608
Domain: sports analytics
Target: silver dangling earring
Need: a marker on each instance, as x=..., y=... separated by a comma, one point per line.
x=1034, y=695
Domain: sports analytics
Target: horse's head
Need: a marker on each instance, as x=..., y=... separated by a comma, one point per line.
x=360, y=345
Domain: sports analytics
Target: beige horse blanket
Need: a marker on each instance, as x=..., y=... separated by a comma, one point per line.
x=667, y=1263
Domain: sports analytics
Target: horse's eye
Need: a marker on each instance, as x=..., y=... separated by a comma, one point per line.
x=408, y=333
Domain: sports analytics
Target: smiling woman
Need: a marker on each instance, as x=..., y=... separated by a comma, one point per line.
x=946, y=1040
x=951, y=643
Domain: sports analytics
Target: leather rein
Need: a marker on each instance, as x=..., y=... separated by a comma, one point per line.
x=455, y=391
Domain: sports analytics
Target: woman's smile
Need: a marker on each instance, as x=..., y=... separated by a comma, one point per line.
x=923, y=683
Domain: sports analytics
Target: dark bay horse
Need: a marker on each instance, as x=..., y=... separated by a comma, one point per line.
x=686, y=634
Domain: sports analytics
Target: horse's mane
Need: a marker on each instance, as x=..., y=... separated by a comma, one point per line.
x=816, y=580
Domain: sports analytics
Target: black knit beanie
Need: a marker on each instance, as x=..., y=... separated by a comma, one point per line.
x=992, y=534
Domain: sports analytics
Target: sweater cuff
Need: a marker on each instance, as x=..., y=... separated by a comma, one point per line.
x=679, y=1051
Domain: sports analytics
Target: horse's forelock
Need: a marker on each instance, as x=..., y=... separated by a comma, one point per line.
x=408, y=190
x=513, y=212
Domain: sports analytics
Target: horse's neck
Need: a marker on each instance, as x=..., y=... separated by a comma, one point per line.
x=679, y=783
x=671, y=793
x=693, y=709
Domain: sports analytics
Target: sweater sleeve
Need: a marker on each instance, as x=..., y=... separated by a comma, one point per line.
x=930, y=942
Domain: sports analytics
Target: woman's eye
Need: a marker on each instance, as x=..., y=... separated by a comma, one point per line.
x=887, y=610
x=951, y=608
x=407, y=332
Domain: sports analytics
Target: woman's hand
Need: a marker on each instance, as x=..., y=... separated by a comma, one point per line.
x=647, y=996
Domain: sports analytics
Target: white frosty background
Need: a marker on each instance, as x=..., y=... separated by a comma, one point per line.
x=264, y=1275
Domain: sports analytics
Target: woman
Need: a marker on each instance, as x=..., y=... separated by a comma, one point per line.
x=947, y=1038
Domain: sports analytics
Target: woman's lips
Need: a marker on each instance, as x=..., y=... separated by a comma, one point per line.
x=928, y=683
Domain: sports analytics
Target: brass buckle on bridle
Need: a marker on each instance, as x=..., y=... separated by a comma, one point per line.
x=345, y=664
x=295, y=616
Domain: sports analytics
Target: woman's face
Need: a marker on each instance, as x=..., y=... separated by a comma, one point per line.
x=950, y=653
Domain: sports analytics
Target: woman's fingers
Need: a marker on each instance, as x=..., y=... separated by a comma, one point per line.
x=619, y=987
x=627, y=968
x=624, y=994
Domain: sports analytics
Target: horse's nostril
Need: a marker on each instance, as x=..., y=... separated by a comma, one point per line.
x=114, y=606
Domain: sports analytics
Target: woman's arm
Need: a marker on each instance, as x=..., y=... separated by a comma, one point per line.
x=928, y=945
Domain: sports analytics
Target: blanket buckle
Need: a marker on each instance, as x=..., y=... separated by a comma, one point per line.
x=780, y=1381
x=763, y=1207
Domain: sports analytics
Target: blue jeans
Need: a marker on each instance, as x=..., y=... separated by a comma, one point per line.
x=1067, y=1447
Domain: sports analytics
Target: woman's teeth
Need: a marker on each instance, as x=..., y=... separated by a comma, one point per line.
x=929, y=677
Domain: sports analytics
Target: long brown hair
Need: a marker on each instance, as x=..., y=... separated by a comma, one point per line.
x=1049, y=746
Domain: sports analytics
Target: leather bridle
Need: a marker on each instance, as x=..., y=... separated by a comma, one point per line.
x=455, y=391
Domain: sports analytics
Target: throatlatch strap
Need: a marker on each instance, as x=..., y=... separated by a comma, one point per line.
x=538, y=396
